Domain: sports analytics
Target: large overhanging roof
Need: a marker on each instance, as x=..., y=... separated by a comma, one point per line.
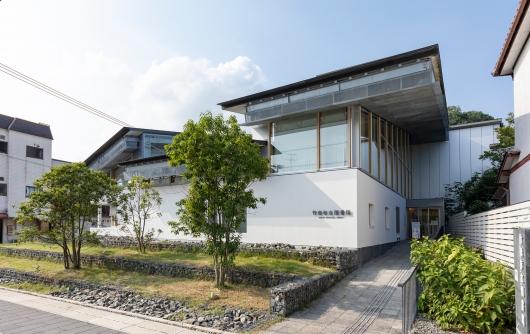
x=405, y=89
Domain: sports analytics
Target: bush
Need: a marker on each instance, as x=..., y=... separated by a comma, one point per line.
x=461, y=290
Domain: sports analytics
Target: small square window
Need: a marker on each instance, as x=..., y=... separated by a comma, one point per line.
x=371, y=216
x=3, y=189
x=3, y=147
x=387, y=218
x=105, y=211
x=29, y=190
x=397, y=220
x=34, y=152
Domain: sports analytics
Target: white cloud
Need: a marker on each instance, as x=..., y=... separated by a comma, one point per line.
x=180, y=88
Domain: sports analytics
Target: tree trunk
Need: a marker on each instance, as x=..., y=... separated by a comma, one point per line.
x=66, y=258
x=216, y=269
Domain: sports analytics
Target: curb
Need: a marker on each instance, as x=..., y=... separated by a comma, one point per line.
x=130, y=314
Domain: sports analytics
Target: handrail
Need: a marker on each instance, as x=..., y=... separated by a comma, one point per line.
x=410, y=291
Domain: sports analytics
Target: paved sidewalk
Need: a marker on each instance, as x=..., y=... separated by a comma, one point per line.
x=27, y=313
x=366, y=301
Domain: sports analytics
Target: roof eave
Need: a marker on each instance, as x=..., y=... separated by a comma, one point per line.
x=428, y=51
x=500, y=69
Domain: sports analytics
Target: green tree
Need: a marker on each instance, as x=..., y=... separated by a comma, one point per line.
x=221, y=163
x=136, y=205
x=68, y=198
x=506, y=137
x=457, y=116
x=474, y=196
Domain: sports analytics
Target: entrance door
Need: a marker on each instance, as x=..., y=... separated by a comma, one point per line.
x=429, y=219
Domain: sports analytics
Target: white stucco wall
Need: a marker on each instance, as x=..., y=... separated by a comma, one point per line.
x=372, y=192
x=436, y=164
x=291, y=199
x=519, y=186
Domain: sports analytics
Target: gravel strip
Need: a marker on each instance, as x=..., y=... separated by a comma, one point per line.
x=423, y=325
x=231, y=319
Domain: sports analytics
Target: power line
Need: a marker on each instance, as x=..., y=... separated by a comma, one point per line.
x=64, y=97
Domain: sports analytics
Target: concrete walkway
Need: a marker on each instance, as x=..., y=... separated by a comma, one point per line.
x=366, y=301
x=26, y=313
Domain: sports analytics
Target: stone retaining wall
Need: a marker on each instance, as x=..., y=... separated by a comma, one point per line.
x=25, y=276
x=292, y=296
x=332, y=257
x=288, y=293
x=256, y=278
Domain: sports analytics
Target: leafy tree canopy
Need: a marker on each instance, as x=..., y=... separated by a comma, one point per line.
x=221, y=163
x=137, y=205
x=506, y=137
x=68, y=198
x=474, y=196
x=457, y=116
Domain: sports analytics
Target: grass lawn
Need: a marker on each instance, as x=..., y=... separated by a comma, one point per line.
x=195, y=292
x=257, y=263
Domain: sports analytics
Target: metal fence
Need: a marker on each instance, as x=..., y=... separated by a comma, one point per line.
x=410, y=290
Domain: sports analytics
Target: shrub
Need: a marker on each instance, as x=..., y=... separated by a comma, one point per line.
x=461, y=290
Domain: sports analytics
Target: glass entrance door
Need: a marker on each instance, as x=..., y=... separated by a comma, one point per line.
x=429, y=219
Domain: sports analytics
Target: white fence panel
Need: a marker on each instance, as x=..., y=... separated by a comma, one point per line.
x=492, y=230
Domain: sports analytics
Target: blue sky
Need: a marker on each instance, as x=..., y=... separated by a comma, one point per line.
x=156, y=64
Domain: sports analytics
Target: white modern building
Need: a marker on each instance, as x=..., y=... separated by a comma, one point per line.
x=25, y=153
x=356, y=155
x=514, y=60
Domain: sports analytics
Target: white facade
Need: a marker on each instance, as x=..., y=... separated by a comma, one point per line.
x=19, y=172
x=519, y=187
x=434, y=165
x=514, y=60
x=291, y=215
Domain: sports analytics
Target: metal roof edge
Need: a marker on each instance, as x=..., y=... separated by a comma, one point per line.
x=121, y=133
x=475, y=124
x=432, y=50
x=521, y=12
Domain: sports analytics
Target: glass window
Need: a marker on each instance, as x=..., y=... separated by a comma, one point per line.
x=154, y=144
x=389, y=155
x=294, y=144
x=365, y=139
x=387, y=218
x=397, y=220
x=3, y=147
x=371, y=217
x=3, y=189
x=34, y=152
x=334, y=139
x=382, y=152
x=105, y=211
x=29, y=190
x=375, y=148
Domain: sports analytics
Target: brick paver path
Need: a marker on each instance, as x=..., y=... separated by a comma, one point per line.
x=366, y=301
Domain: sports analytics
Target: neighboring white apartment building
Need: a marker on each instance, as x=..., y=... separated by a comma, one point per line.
x=356, y=154
x=25, y=153
x=514, y=60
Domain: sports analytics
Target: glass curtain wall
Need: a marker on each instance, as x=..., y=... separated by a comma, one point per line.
x=334, y=139
x=294, y=144
x=375, y=147
x=385, y=152
x=365, y=141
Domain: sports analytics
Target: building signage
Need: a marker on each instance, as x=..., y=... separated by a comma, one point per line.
x=332, y=214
